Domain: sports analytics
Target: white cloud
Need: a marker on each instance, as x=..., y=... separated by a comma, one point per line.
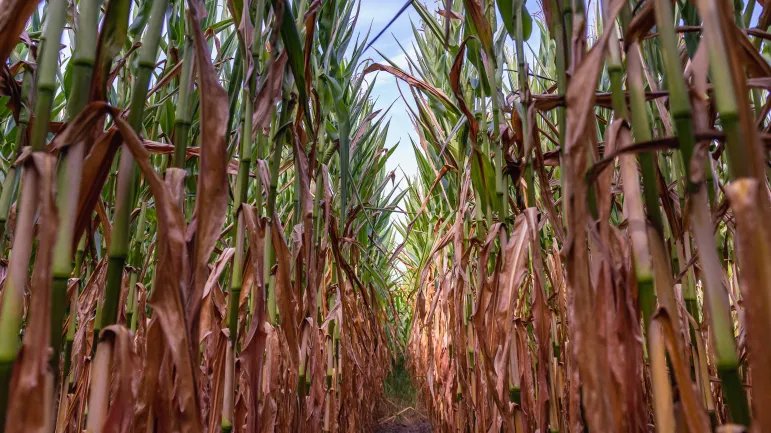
x=401, y=59
x=379, y=11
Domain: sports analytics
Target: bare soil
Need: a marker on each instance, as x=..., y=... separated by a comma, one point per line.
x=399, y=409
x=405, y=420
x=399, y=427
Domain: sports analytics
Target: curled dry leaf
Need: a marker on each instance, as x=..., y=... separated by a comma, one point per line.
x=412, y=81
x=212, y=192
x=13, y=18
x=33, y=378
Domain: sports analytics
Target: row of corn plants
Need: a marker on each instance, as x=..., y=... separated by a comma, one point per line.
x=586, y=239
x=195, y=219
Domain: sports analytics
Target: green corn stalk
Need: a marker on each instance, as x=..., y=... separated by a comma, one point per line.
x=344, y=132
x=11, y=182
x=642, y=132
x=525, y=95
x=11, y=315
x=70, y=168
x=287, y=105
x=640, y=251
x=717, y=300
x=128, y=175
x=136, y=254
x=242, y=187
x=562, y=58
x=256, y=50
x=182, y=120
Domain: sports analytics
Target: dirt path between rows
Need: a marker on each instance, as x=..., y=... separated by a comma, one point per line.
x=399, y=409
x=407, y=420
x=398, y=427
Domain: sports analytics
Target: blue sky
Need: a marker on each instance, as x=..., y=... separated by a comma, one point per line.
x=378, y=13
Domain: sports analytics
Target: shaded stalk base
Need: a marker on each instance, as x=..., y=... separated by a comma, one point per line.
x=58, y=309
x=6, y=369
x=734, y=395
x=112, y=294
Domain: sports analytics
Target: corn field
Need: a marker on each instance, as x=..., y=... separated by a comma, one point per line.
x=199, y=231
x=195, y=197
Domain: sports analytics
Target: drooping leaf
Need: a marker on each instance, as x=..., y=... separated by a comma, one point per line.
x=212, y=191
x=13, y=18
x=412, y=81
x=509, y=16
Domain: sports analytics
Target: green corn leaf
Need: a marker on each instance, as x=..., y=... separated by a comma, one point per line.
x=140, y=20
x=291, y=38
x=507, y=9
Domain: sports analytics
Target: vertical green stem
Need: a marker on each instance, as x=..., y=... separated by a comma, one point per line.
x=70, y=168
x=128, y=175
x=12, y=177
x=18, y=272
x=136, y=254
x=182, y=119
x=716, y=298
x=287, y=105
